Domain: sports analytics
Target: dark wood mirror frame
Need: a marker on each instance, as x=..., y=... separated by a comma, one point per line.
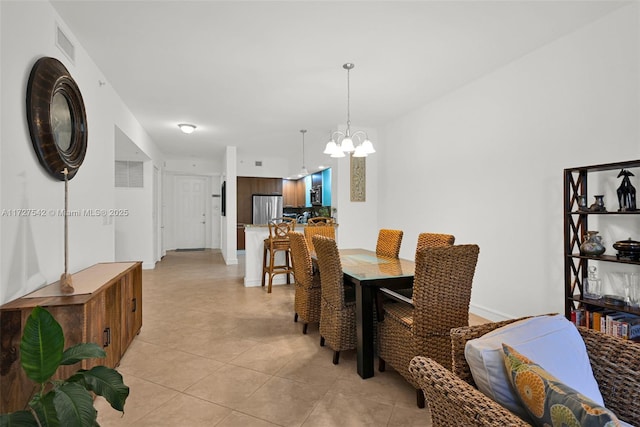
x=48, y=78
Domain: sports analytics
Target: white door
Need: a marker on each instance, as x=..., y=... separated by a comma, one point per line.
x=190, y=211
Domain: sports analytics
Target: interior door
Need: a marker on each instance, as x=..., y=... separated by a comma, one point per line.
x=190, y=212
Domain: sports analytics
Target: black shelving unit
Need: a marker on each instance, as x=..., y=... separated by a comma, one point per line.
x=576, y=224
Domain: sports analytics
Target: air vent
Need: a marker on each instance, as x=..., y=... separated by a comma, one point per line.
x=129, y=174
x=258, y=163
x=65, y=45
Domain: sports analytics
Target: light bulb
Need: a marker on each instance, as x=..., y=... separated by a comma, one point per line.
x=330, y=148
x=347, y=145
x=367, y=146
x=359, y=151
x=187, y=128
x=337, y=153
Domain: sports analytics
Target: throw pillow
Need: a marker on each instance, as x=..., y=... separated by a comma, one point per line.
x=549, y=401
x=547, y=340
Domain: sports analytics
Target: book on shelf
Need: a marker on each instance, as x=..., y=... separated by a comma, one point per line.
x=612, y=324
x=628, y=327
x=577, y=316
x=616, y=323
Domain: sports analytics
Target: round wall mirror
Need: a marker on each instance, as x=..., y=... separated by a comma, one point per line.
x=61, y=121
x=57, y=118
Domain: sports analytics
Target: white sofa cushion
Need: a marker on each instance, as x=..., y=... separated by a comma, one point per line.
x=552, y=341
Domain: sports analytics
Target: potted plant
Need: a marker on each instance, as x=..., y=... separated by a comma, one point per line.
x=67, y=402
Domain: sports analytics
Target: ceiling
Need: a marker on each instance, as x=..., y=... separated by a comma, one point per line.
x=252, y=74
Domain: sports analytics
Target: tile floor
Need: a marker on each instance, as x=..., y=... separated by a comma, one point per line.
x=214, y=353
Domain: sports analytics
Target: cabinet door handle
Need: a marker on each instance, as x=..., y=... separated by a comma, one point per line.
x=134, y=308
x=106, y=337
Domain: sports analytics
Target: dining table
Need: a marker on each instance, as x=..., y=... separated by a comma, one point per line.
x=368, y=272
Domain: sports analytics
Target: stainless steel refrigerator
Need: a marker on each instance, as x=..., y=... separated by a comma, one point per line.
x=266, y=207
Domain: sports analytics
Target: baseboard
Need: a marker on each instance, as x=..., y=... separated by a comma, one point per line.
x=277, y=281
x=493, y=315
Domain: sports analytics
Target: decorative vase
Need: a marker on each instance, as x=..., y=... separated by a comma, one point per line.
x=598, y=205
x=592, y=244
x=582, y=203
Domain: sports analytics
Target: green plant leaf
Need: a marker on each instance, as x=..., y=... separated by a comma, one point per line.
x=74, y=406
x=41, y=345
x=15, y=419
x=105, y=382
x=80, y=352
x=46, y=410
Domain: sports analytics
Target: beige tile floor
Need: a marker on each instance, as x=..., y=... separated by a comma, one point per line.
x=214, y=353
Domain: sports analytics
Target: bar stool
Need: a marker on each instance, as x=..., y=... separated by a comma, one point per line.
x=278, y=241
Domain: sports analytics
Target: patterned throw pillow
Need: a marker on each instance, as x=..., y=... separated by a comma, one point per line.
x=550, y=402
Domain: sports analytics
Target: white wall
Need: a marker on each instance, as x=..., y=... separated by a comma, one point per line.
x=358, y=222
x=133, y=216
x=485, y=163
x=134, y=222
x=2, y=293
x=32, y=247
x=272, y=167
x=193, y=166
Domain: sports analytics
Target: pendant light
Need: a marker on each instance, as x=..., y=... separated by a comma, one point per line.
x=343, y=142
x=303, y=171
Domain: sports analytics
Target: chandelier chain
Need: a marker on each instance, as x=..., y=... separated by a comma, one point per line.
x=357, y=144
x=303, y=131
x=348, y=99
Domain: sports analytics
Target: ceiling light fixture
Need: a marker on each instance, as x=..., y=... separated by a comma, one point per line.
x=303, y=171
x=187, y=128
x=342, y=142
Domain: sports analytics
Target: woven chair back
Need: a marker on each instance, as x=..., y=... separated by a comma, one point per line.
x=433, y=240
x=302, y=265
x=442, y=290
x=330, y=270
x=322, y=230
x=388, y=244
x=320, y=220
x=279, y=228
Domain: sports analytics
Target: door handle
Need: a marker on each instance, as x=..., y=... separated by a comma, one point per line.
x=106, y=337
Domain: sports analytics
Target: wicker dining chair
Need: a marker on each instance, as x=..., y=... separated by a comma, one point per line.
x=337, y=311
x=307, y=297
x=433, y=240
x=425, y=240
x=278, y=241
x=441, y=295
x=388, y=244
x=322, y=230
x=320, y=220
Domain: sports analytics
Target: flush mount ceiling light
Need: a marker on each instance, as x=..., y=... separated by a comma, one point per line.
x=342, y=142
x=187, y=128
x=303, y=171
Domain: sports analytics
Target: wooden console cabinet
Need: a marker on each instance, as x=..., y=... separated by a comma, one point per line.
x=106, y=308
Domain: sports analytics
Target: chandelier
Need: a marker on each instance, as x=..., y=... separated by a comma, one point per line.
x=303, y=171
x=343, y=142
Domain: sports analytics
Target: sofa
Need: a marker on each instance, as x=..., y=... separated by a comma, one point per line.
x=454, y=399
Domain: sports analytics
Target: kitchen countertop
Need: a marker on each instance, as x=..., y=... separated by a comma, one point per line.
x=254, y=247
